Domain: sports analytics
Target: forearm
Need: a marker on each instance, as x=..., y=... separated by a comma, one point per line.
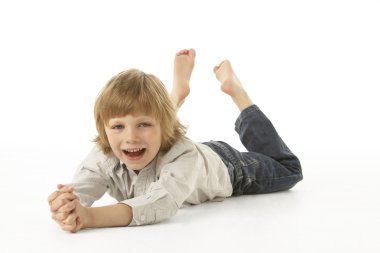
x=117, y=215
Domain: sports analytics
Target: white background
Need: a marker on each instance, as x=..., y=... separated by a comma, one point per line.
x=312, y=66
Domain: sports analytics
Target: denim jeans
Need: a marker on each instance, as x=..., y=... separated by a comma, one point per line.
x=268, y=166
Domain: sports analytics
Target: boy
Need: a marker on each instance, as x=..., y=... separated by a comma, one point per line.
x=143, y=159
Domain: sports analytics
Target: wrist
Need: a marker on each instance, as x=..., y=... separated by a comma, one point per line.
x=88, y=217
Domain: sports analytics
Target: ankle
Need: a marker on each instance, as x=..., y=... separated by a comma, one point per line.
x=242, y=100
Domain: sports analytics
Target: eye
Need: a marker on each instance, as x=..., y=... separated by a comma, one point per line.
x=118, y=126
x=144, y=124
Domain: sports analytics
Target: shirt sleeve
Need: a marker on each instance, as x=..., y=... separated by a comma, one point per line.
x=165, y=196
x=90, y=181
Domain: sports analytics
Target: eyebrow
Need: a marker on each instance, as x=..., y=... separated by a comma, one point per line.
x=138, y=118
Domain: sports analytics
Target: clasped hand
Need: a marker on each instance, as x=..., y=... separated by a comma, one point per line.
x=66, y=209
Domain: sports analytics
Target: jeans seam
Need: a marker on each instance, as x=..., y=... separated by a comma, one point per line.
x=280, y=178
x=295, y=175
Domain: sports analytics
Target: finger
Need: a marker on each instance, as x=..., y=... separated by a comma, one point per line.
x=73, y=227
x=57, y=203
x=79, y=225
x=68, y=227
x=61, y=200
x=71, y=219
x=59, y=216
x=64, y=188
x=53, y=196
x=67, y=207
x=61, y=188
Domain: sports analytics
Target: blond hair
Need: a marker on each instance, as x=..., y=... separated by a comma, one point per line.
x=134, y=91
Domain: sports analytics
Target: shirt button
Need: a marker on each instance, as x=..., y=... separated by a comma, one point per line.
x=142, y=217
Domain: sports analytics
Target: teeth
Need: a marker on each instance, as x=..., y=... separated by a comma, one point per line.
x=133, y=149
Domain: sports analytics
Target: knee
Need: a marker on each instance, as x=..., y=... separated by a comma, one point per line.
x=295, y=167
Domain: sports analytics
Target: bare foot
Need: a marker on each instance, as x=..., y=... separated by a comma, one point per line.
x=231, y=85
x=183, y=67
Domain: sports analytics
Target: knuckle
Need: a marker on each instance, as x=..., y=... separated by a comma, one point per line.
x=66, y=227
x=52, y=196
x=60, y=216
x=66, y=208
x=67, y=196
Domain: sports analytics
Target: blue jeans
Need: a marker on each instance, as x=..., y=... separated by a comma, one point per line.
x=268, y=166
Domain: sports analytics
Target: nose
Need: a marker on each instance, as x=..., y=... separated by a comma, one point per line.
x=131, y=135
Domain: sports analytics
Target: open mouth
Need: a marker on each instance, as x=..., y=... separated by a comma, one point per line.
x=134, y=153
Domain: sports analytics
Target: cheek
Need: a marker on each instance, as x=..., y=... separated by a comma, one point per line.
x=112, y=140
x=154, y=137
x=158, y=138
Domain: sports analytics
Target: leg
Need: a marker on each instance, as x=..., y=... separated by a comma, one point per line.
x=231, y=85
x=269, y=165
x=183, y=67
x=255, y=173
x=252, y=124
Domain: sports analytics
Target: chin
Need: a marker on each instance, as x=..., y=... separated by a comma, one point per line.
x=134, y=166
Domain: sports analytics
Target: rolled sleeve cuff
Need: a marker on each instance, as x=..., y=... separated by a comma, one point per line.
x=143, y=213
x=149, y=209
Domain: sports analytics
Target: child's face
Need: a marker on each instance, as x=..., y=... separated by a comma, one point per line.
x=134, y=139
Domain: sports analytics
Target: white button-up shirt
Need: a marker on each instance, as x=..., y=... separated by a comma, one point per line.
x=189, y=173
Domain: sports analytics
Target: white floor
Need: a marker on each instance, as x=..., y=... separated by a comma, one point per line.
x=331, y=210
